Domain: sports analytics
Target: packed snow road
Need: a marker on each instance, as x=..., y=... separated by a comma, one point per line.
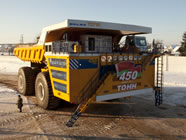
x=12, y=123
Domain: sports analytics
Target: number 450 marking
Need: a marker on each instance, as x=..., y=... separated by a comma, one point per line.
x=129, y=75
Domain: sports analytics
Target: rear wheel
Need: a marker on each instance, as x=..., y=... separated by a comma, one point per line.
x=36, y=71
x=26, y=80
x=44, y=95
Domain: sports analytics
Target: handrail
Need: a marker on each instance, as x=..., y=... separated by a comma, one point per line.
x=146, y=60
x=87, y=87
x=92, y=86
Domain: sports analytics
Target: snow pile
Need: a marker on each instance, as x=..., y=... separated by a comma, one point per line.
x=174, y=90
x=175, y=78
x=11, y=64
x=5, y=89
x=6, y=92
x=174, y=95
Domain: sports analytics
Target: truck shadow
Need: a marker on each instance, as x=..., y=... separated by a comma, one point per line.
x=141, y=106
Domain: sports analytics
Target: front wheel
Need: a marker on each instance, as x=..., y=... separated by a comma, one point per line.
x=43, y=89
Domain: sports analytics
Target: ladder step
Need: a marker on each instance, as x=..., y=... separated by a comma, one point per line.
x=73, y=119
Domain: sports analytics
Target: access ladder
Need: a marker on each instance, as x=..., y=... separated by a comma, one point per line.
x=159, y=82
x=87, y=97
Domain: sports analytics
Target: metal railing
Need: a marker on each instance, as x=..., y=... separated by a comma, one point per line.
x=85, y=92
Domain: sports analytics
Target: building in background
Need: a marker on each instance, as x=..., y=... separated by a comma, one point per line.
x=175, y=51
x=7, y=49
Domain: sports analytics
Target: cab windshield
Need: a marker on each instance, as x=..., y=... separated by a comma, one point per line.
x=141, y=42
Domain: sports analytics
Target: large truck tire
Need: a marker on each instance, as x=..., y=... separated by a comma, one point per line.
x=36, y=71
x=44, y=94
x=26, y=81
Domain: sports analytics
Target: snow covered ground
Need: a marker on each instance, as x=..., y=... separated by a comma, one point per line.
x=8, y=96
x=11, y=64
x=175, y=78
x=175, y=88
x=174, y=91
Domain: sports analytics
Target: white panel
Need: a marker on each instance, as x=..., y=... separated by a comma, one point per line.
x=123, y=94
x=42, y=38
x=92, y=25
x=107, y=26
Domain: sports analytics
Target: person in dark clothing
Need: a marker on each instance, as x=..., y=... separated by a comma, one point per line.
x=20, y=103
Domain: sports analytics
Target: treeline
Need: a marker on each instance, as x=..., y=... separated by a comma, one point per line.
x=182, y=49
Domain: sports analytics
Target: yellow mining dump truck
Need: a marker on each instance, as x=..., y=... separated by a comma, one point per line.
x=82, y=61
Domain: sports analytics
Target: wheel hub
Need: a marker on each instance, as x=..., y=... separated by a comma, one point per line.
x=41, y=91
x=20, y=82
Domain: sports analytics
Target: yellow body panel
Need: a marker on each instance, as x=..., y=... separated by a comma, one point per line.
x=112, y=84
x=60, y=94
x=78, y=77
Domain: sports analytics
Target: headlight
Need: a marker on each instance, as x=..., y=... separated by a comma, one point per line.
x=103, y=58
x=115, y=58
x=109, y=58
x=135, y=58
x=120, y=58
x=125, y=58
x=130, y=57
x=139, y=58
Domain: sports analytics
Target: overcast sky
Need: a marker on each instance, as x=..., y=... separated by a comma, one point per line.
x=166, y=17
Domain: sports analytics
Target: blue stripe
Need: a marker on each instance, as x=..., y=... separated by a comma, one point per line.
x=75, y=64
x=83, y=63
x=72, y=66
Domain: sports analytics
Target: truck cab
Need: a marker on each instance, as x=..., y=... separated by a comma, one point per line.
x=136, y=44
